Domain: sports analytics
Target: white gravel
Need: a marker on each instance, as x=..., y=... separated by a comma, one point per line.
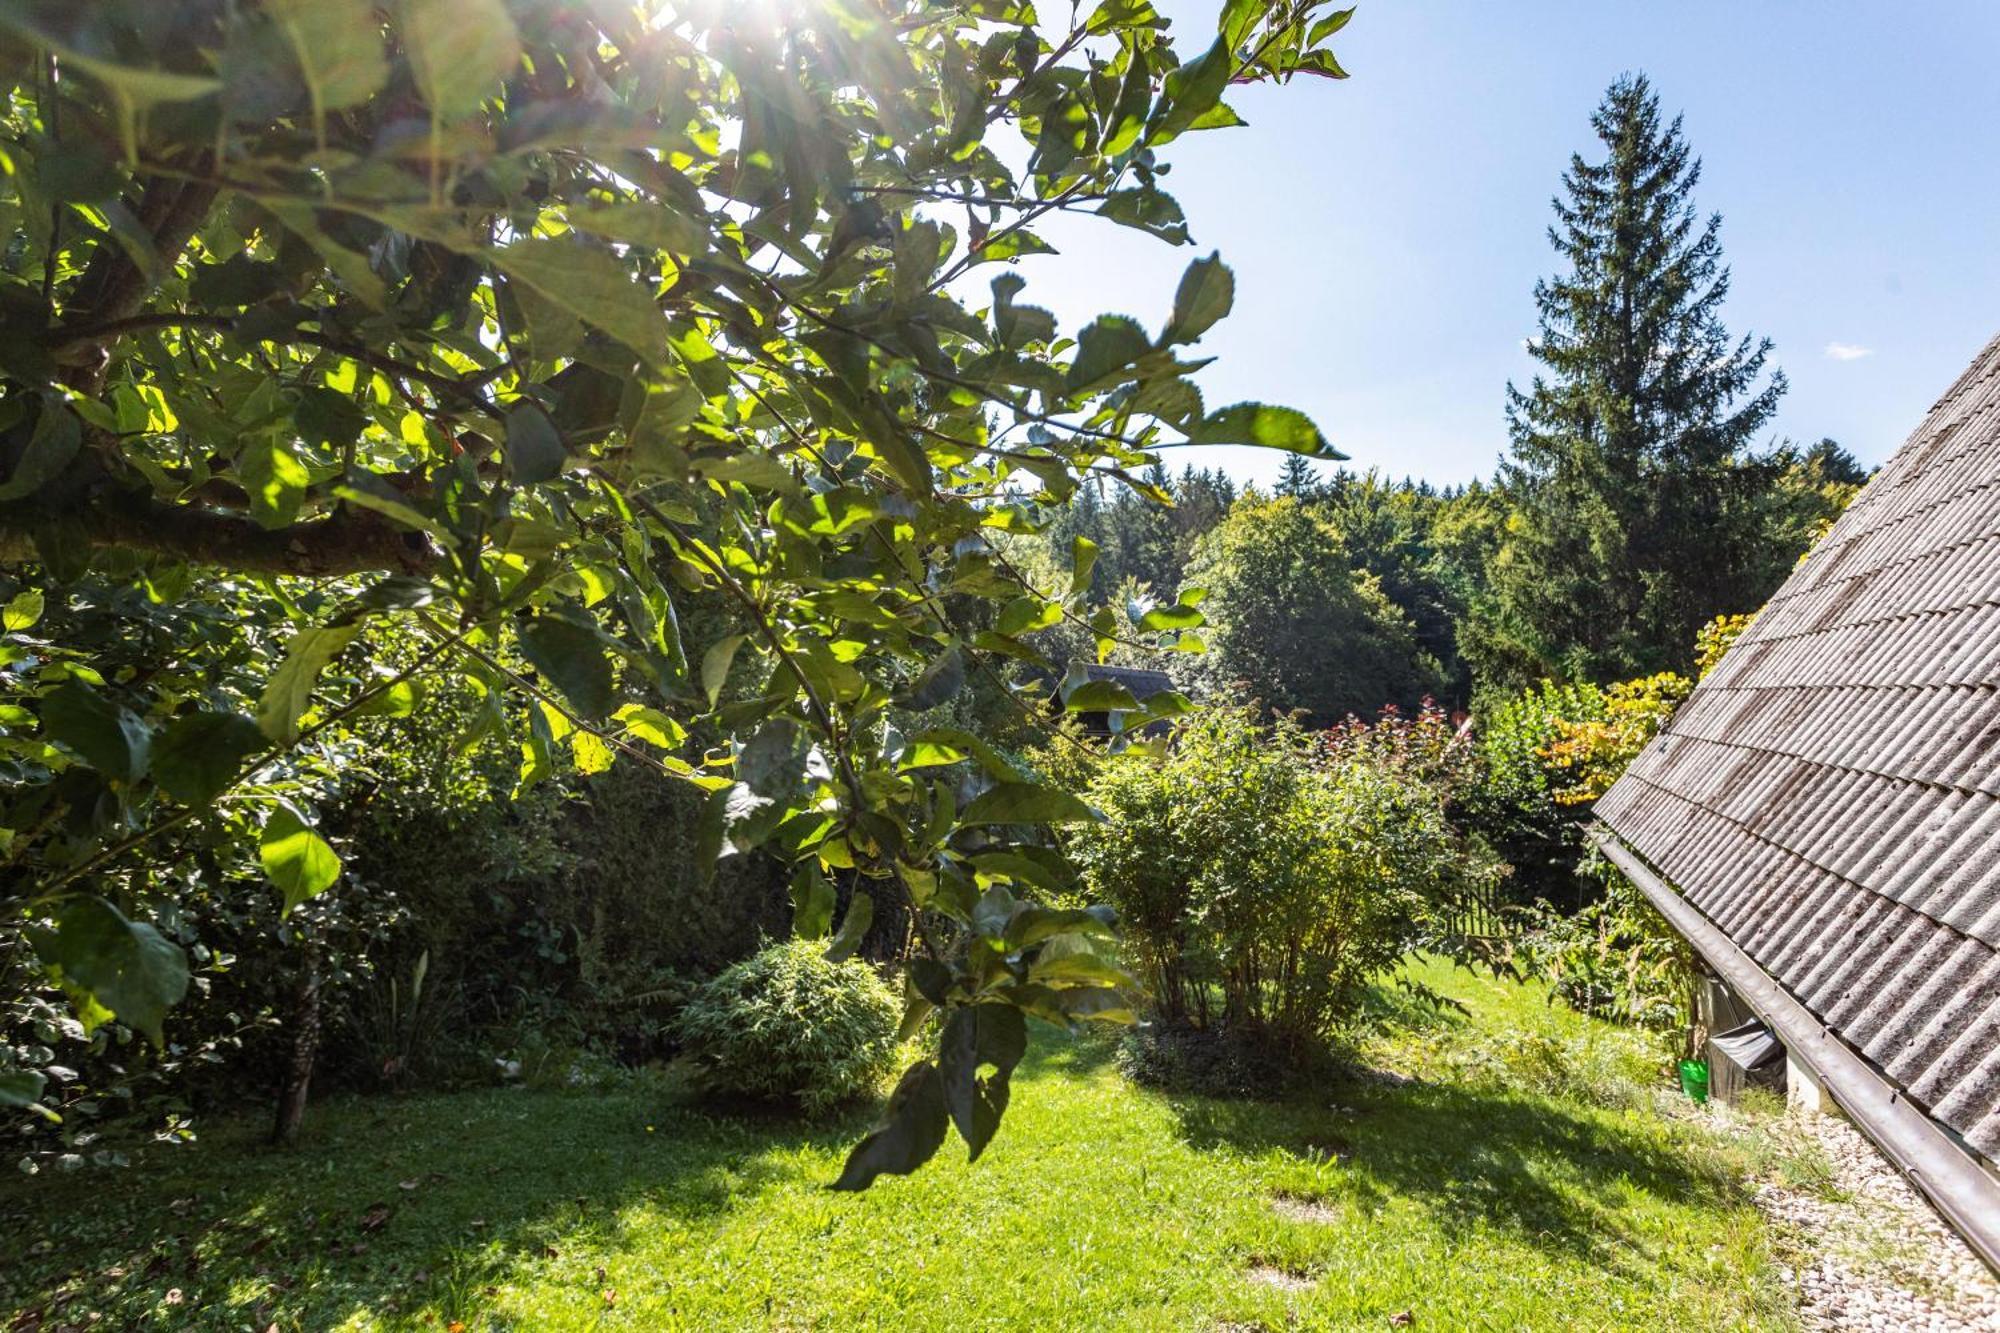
x=1866, y=1251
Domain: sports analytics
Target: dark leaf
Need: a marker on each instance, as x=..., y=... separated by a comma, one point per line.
x=199, y=754
x=534, y=447
x=1110, y=344
x=976, y=1037
x=853, y=926
x=572, y=658
x=108, y=736
x=1207, y=291
x=940, y=681
x=812, y=903
x=1026, y=803
x=54, y=442
x=124, y=966
x=909, y=1134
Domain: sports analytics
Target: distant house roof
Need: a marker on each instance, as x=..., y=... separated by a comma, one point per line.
x=1143, y=682
x=1828, y=799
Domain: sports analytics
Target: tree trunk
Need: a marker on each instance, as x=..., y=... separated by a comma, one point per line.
x=305, y=1049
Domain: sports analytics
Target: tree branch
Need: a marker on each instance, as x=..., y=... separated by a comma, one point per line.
x=347, y=541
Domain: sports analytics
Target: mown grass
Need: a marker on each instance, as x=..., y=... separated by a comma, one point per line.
x=1491, y=1193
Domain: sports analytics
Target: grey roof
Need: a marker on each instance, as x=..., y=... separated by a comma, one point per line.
x=1829, y=796
x=1143, y=682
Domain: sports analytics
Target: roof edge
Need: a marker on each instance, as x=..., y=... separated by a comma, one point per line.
x=1951, y=1177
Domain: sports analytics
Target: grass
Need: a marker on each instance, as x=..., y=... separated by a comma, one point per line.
x=1495, y=1192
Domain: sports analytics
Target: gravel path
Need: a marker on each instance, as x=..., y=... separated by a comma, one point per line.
x=1867, y=1251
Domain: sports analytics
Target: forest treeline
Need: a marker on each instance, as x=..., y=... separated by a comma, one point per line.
x=1638, y=498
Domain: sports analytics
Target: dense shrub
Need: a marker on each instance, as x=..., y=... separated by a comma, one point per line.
x=787, y=1025
x=1514, y=804
x=1215, y=1061
x=1547, y=753
x=1259, y=890
x=1619, y=959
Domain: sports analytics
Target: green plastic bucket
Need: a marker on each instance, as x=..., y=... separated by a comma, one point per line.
x=1694, y=1080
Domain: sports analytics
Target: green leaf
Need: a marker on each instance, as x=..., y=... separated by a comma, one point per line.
x=1264, y=425
x=108, y=736
x=1027, y=803
x=812, y=903
x=1037, y=924
x=199, y=754
x=459, y=51
x=1098, y=696
x=1173, y=617
x=275, y=481
x=853, y=926
x=1207, y=291
x=715, y=665
x=1192, y=91
x=21, y=1088
x=534, y=448
x=295, y=858
x=56, y=438
x=328, y=418
x=338, y=47
x=976, y=1036
x=652, y=726
x=909, y=1134
x=125, y=967
x=939, y=682
x=1082, y=560
x=1078, y=966
x=236, y=282
x=288, y=693
x=593, y=285
x=591, y=753
x=23, y=610
x=950, y=745
x=1150, y=210
x=572, y=659
x=1109, y=344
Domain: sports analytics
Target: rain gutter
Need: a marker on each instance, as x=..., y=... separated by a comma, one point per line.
x=1964, y=1191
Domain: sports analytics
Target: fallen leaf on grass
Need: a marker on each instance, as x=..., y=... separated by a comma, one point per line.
x=409, y=1184
x=1402, y=1318
x=376, y=1217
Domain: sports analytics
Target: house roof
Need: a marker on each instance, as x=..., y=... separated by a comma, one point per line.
x=1143, y=682
x=1829, y=796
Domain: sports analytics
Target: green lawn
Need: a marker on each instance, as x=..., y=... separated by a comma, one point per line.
x=1521, y=1182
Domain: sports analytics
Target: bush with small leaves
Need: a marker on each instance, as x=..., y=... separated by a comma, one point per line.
x=789, y=1026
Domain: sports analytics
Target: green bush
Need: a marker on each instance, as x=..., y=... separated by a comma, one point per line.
x=1514, y=806
x=1620, y=960
x=1259, y=890
x=786, y=1025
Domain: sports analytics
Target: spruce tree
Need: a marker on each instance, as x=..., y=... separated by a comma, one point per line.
x=1298, y=479
x=1637, y=489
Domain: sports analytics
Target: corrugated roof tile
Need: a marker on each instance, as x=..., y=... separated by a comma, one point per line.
x=1829, y=795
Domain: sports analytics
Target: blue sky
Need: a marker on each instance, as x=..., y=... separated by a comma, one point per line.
x=1386, y=231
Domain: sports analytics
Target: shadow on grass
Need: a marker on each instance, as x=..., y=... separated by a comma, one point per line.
x=411, y=1208
x=1526, y=1165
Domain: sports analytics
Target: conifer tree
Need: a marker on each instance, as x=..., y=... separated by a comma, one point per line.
x=1298, y=478
x=1632, y=466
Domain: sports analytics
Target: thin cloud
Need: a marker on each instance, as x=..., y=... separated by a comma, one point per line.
x=1847, y=351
